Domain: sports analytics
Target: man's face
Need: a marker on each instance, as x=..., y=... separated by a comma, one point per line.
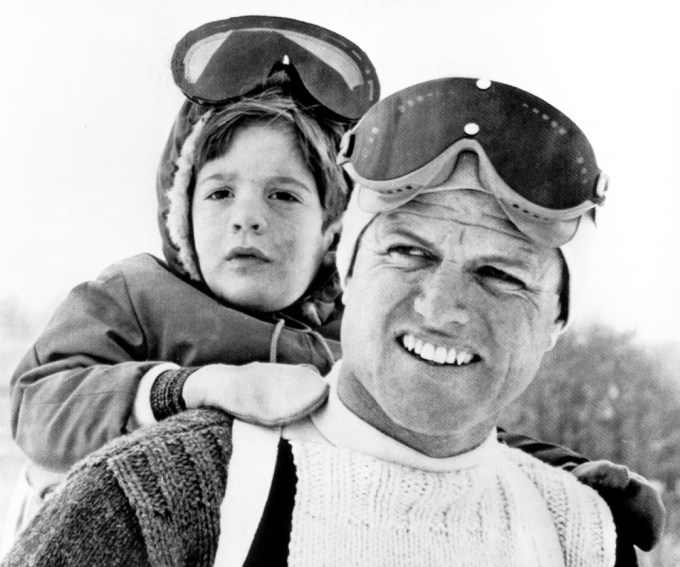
x=449, y=311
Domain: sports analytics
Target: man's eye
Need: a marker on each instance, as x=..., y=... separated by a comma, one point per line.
x=408, y=254
x=285, y=196
x=500, y=279
x=406, y=251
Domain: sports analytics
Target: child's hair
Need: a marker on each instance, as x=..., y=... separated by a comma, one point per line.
x=317, y=138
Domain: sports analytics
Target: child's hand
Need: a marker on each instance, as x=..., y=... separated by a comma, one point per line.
x=603, y=475
x=259, y=392
x=636, y=505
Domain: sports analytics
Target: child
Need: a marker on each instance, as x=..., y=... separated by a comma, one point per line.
x=249, y=202
x=250, y=198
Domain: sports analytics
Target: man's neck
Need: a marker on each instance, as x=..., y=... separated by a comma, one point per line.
x=358, y=400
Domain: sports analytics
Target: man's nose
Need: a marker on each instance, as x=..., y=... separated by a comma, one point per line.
x=248, y=215
x=443, y=298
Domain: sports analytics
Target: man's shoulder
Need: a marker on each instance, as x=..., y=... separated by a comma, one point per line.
x=160, y=484
x=563, y=493
x=541, y=473
x=188, y=433
x=583, y=519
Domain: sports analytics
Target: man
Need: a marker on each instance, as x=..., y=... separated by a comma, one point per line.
x=460, y=257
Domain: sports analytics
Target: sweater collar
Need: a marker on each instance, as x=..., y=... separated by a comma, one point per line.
x=343, y=429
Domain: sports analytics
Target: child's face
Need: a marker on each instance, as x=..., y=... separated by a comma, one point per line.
x=257, y=221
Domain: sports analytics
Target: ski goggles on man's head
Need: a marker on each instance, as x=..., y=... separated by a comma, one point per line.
x=533, y=158
x=221, y=61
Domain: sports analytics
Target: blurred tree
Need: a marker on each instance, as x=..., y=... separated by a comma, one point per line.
x=603, y=395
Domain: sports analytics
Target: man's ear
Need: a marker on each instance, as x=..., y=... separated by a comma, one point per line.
x=345, y=286
x=331, y=234
x=557, y=330
x=562, y=311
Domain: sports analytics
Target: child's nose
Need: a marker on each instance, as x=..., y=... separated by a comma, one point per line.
x=248, y=215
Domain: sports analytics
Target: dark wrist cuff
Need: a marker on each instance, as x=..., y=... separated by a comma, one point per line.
x=166, y=392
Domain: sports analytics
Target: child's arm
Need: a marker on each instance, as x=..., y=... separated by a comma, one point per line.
x=73, y=391
x=637, y=507
x=263, y=393
x=78, y=386
x=554, y=455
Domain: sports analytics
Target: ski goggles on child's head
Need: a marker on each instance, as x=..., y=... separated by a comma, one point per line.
x=221, y=61
x=531, y=157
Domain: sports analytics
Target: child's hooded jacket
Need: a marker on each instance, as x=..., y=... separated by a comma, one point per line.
x=74, y=390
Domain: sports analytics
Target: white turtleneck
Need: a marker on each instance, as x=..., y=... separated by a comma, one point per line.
x=343, y=429
x=363, y=498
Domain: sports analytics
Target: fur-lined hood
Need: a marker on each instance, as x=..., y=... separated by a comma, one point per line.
x=174, y=188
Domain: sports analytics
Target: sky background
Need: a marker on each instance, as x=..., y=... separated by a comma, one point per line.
x=87, y=101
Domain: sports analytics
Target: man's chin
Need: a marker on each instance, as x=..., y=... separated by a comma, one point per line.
x=443, y=429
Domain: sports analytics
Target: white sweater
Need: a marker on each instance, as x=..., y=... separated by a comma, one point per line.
x=363, y=498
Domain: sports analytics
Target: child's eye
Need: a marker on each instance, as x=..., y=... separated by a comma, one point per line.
x=500, y=279
x=287, y=196
x=219, y=194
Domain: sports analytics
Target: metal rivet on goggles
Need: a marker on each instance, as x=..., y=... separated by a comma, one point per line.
x=221, y=61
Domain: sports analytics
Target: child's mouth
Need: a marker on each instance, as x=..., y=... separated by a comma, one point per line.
x=247, y=253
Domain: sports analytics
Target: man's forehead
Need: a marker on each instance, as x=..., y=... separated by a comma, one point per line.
x=466, y=207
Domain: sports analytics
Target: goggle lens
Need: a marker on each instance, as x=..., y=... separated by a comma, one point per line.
x=535, y=148
x=224, y=60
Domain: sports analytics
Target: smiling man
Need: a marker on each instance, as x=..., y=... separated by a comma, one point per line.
x=460, y=256
x=468, y=308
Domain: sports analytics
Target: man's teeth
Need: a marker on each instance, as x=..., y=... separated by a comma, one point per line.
x=438, y=354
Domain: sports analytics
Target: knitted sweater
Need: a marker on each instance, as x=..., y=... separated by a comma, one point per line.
x=149, y=498
x=362, y=495
x=153, y=498
x=500, y=510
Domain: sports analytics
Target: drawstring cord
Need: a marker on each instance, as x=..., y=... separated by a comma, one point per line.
x=280, y=324
x=324, y=345
x=275, y=339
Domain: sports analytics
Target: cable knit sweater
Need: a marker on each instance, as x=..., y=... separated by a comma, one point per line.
x=363, y=497
x=154, y=498
x=500, y=511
